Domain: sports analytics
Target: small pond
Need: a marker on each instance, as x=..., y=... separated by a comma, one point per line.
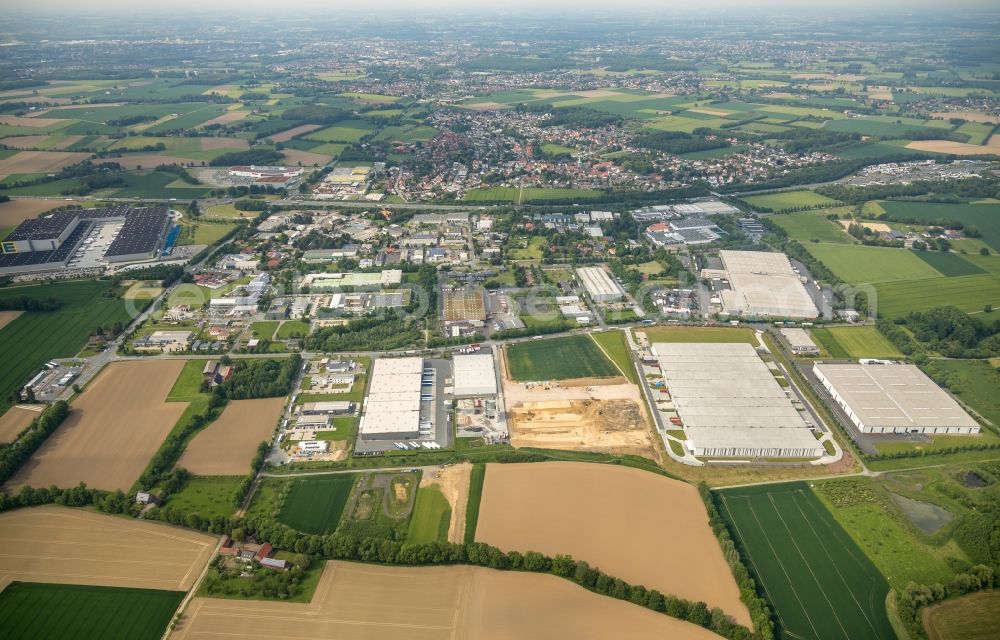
x=928, y=517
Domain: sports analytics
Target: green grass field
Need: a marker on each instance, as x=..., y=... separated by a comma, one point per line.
x=558, y=359
x=985, y=217
x=968, y=293
x=855, y=342
x=807, y=226
x=614, y=344
x=293, y=329
x=701, y=334
x=188, y=383
x=431, y=517
x=860, y=264
x=208, y=496
x=819, y=582
x=789, y=200
x=528, y=194
x=949, y=264
x=971, y=617
x=314, y=505
x=31, y=611
x=36, y=337
x=347, y=131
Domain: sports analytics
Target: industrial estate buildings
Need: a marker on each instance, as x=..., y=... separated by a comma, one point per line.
x=893, y=398
x=731, y=405
x=392, y=408
x=764, y=284
x=600, y=285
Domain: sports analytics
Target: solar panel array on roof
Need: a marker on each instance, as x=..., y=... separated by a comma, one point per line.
x=140, y=233
x=44, y=228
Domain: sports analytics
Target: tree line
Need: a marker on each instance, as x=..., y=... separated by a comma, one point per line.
x=13, y=455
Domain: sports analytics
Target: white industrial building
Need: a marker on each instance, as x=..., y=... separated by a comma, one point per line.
x=893, y=398
x=800, y=341
x=763, y=283
x=731, y=405
x=392, y=408
x=475, y=375
x=600, y=285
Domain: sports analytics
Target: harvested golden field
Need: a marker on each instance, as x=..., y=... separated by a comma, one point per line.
x=304, y=158
x=957, y=148
x=971, y=116
x=879, y=93
x=74, y=546
x=24, y=142
x=6, y=317
x=39, y=161
x=113, y=429
x=359, y=602
x=211, y=144
x=610, y=426
x=16, y=121
x=453, y=481
x=486, y=106
x=16, y=419
x=14, y=212
x=227, y=118
x=641, y=527
x=285, y=136
x=226, y=447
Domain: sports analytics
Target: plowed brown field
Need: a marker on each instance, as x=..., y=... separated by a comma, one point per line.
x=73, y=546
x=112, y=431
x=635, y=525
x=226, y=447
x=360, y=602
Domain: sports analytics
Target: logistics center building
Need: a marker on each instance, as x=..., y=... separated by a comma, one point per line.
x=731, y=405
x=392, y=408
x=600, y=286
x=893, y=398
x=764, y=284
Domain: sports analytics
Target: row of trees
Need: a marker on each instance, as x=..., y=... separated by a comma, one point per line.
x=27, y=303
x=13, y=455
x=339, y=546
x=914, y=597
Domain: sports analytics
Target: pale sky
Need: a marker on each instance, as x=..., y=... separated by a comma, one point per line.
x=414, y=6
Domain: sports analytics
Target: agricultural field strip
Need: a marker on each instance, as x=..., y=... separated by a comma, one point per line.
x=753, y=562
x=805, y=560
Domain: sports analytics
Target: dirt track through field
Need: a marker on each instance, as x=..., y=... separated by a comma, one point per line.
x=16, y=419
x=15, y=212
x=360, y=602
x=39, y=161
x=114, y=428
x=73, y=546
x=453, y=481
x=226, y=447
x=635, y=525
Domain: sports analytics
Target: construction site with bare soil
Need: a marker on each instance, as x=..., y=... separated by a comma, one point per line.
x=605, y=415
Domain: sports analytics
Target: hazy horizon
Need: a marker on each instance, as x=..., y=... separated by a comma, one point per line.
x=670, y=7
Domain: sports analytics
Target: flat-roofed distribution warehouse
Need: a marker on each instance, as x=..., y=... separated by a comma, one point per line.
x=392, y=409
x=475, y=375
x=600, y=286
x=764, y=284
x=893, y=398
x=730, y=403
